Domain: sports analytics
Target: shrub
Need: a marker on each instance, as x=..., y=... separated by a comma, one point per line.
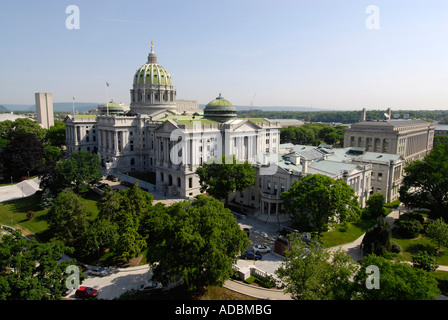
x=407, y=228
x=250, y=279
x=395, y=247
x=412, y=216
x=30, y=215
x=343, y=227
x=425, y=261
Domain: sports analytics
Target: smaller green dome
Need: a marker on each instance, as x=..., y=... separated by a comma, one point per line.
x=110, y=108
x=220, y=109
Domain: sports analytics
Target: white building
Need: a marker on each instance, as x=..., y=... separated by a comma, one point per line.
x=365, y=172
x=410, y=138
x=173, y=137
x=167, y=136
x=44, y=109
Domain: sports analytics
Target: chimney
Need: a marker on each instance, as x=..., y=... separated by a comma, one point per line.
x=363, y=114
x=389, y=112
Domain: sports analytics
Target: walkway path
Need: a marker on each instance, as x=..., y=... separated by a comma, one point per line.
x=257, y=292
x=20, y=190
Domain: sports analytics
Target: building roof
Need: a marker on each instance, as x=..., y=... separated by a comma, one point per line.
x=220, y=110
x=390, y=124
x=152, y=73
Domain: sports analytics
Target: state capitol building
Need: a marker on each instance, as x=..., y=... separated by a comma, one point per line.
x=167, y=136
x=171, y=138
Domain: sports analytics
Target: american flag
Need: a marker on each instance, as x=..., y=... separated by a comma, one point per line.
x=107, y=83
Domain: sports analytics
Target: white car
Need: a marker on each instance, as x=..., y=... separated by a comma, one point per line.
x=100, y=271
x=151, y=285
x=261, y=248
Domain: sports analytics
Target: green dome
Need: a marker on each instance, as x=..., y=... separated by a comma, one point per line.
x=153, y=73
x=110, y=108
x=220, y=109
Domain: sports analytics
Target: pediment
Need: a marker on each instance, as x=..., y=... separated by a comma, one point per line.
x=245, y=125
x=167, y=127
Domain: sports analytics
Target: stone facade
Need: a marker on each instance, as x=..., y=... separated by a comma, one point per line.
x=167, y=136
x=412, y=138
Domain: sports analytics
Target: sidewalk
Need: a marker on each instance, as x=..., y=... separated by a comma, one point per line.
x=22, y=189
x=256, y=292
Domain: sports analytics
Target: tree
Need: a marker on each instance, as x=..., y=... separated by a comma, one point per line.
x=440, y=140
x=52, y=153
x=425, y=261
x=309, y=275
x=56, y=134
x=437, y=231
x=397, y=281
x=196, y=241
x=22, y=156
x=30, y=270
x=375, y=206
x=377, y=239
x=68, y=219
x=318, y=201
x=425, y=184
x=26, y=126
x=102, y=234
x=219, y=178
x=126, y=209
x=79, y=171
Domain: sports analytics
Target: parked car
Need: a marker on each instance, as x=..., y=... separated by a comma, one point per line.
x=261, y=248
x=82, y=266
x=100, y=271
x=86, y=292
x=149, y=286
x=250, y=255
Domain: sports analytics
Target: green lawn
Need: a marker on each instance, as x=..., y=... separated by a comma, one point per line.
x=442, y=278
x=411, y=246
x=13, y=213
x=340, y=235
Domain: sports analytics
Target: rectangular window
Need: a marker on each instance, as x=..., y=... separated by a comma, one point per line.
x=380, y=177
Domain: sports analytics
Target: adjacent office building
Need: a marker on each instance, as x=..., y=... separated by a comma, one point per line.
x=44, y=109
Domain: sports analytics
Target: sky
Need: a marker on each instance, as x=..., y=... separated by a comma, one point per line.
x=323, y=54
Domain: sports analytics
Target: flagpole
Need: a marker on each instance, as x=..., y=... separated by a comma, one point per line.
x=107, y=97
x=73, y=107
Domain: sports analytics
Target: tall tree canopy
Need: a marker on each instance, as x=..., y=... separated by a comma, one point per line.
x=125, y=209
x=425, y=184
x=309, y=275
x=397, y=281
x=68, y=218
x=196, y=241
x=22, y=156
x=219, y=178
x=30, y=270
x=316, y=201
x=56, y=134
x=79, y=171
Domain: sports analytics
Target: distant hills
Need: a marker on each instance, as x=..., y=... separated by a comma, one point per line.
x=272, y=108
x=57, y=107
x=86, y=106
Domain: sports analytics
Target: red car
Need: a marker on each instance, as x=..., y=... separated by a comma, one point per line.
x=86, y=292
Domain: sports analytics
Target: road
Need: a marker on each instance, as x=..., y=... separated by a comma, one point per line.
x=118, y=282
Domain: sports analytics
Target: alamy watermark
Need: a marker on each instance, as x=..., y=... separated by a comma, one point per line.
x=73, y=20
x=73, y=280
x=373, y=278
x=373, y=19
